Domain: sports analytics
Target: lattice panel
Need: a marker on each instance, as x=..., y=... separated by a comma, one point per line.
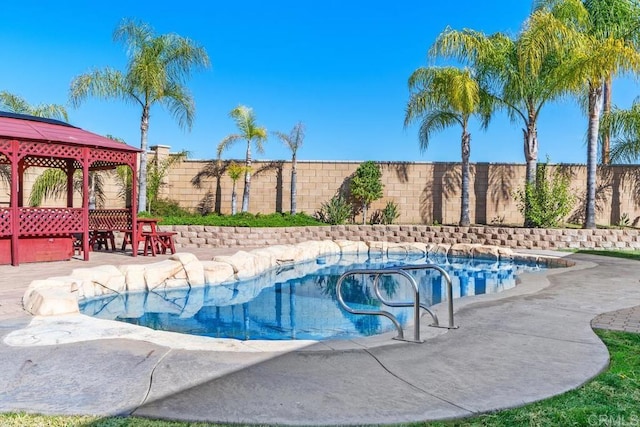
x=43, y=150
x=48, y=221
x=112, y=157
x=5, y=222
x=5, y=146
x=110, y=219
x=46, y=162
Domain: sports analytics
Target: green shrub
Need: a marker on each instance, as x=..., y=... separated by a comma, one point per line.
x=243, y=219
x=390, y=213
x=387, y=215
x=366, y=186
x=547, y=202
x=335, y=211
x=166, y=207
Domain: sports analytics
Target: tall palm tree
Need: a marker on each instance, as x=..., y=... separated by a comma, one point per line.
x=521, y=74
x=157, y=69
x=592, y=61
x=618, y=19
x=442, y=97
x=249, y=132
x=294, y=141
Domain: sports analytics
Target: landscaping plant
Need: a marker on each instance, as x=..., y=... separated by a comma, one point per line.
x=366, y=186
x=547, y=201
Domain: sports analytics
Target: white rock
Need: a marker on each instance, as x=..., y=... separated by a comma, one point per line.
x=157, y=273
x=51, y=301
x=216, y=272
x=194, y=271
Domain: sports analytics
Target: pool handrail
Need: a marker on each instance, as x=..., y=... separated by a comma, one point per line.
x=447, y=279
x=400, y=270
x=376, y=289
x=351, y=310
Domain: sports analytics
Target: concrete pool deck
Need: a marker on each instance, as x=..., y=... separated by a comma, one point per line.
x=526, y=344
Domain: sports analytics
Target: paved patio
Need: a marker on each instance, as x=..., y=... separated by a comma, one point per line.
x=525, y=344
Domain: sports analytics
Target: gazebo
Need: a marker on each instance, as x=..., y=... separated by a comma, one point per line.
x=33, y=234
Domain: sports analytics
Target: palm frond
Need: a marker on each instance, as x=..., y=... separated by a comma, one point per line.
x=51, y=183
x=227, y=142
x=16, y=104
x=104, y=84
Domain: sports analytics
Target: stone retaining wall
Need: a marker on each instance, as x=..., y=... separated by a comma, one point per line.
x=193, y=236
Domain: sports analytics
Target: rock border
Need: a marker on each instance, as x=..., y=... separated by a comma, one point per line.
x=60, y=295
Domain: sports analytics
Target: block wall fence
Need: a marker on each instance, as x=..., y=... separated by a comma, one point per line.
x=425, y=193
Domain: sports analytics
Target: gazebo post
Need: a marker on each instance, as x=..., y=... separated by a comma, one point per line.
x=85, y=203
x=134, y=206
x=15, y=211
x=20, y=177
x=70, y=171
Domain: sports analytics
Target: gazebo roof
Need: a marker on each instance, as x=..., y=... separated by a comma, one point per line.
x=24, y=127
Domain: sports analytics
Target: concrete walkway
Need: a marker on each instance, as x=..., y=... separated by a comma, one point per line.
x=523, y=345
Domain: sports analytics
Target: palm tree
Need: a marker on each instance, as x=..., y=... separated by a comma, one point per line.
x=593, y=60
x=249, y=131
x=235, y=171
x=521, y=74
x=294, y=141
x=616, y=19
x=442, y=97
x=157, y=69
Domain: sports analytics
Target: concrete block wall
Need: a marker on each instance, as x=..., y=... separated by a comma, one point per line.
x=425, y=193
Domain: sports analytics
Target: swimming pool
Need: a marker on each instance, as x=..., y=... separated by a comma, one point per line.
x=298, y=301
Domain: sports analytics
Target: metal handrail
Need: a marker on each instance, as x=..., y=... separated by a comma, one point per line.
x=447, y=278
x=386, y=302
x=400, y=270
x=369, y=312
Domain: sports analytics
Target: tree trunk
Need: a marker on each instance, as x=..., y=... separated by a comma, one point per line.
x=531, y=151
x=606, y=138
x=234, y=198
x=294, y=190
x=364, y=214
x=595, y=101
x=247, y=180
x=142, y=174
x=464, y=202
x=531, y=157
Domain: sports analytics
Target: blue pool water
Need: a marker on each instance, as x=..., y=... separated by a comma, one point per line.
x=299, y=302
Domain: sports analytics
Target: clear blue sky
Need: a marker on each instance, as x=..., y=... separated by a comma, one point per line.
x=341, y=67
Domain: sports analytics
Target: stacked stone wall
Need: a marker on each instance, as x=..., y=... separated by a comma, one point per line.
x=516, y=238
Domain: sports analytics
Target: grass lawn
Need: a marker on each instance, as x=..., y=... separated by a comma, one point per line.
x=627, y=254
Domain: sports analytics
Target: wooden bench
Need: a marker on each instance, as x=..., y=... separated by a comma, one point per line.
x=165, y=241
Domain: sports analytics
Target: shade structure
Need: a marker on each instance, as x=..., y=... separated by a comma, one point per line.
x=27, y=141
